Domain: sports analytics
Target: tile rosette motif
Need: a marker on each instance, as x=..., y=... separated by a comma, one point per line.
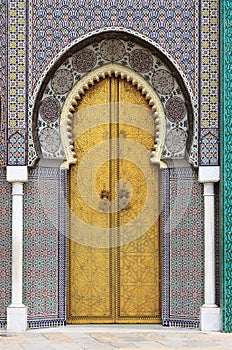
x=50, y=109
x=62, y=81
x=135, y=57
x=175, y=109
x=112, y=50
x=163, y=81
x=176, y=140
x=84, y=61
x=49, y=140
x=141, y=61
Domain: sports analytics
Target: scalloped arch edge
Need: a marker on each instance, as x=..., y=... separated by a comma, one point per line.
x=91, y=79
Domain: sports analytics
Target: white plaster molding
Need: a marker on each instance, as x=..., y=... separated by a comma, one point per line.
x=209, y=174
x=89, y=80
x=50, y=162
x=16, y=173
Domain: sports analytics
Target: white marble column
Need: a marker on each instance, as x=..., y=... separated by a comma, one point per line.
x=210, y=312
x=17, y=311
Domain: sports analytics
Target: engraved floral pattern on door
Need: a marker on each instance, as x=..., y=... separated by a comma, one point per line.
x=114, y=246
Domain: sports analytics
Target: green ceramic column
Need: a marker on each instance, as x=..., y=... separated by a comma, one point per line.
x=226, y=161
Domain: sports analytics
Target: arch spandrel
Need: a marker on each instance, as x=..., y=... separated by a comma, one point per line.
x=91, y=79
x=147, y=70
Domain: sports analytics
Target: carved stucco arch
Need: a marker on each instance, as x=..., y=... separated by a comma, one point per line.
x=89, y=80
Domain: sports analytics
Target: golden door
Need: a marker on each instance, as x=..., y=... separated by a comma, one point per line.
x=114, y=245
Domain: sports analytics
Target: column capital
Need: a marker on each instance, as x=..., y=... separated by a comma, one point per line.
x=17, y=173
x=209, y=174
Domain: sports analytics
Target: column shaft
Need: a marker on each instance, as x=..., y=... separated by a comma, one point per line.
x=17, y=311
x=210, y=312
x=209, y=245
x=17, y=243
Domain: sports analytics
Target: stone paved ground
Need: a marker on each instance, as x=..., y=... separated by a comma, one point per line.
x=114, y=338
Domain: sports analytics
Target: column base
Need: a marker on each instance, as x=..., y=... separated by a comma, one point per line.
x=16, y=318
x=210, y=319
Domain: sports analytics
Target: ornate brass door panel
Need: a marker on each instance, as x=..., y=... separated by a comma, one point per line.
x=114, y=245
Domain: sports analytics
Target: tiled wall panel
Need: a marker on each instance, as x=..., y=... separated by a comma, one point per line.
x=44, y=247
x=183, y=248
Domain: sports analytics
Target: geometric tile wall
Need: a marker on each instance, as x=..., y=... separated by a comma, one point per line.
x=44, y=247
x=5, y=246
x=183, y=247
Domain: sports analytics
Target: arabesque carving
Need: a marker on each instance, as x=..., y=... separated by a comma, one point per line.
x=91, y=79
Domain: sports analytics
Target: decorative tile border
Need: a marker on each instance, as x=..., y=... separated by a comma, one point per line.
x=17, y=82
x=3, y=72
x=45, y=247
x=226, y=171
x=209, y=83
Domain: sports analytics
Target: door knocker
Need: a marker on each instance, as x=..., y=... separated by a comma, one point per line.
x=104, y=204
x=124, y=199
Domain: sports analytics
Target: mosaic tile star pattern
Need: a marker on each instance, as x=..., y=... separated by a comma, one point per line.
x=183, y=246
x=141, y=61
x=5, y=247
x=44, y=247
